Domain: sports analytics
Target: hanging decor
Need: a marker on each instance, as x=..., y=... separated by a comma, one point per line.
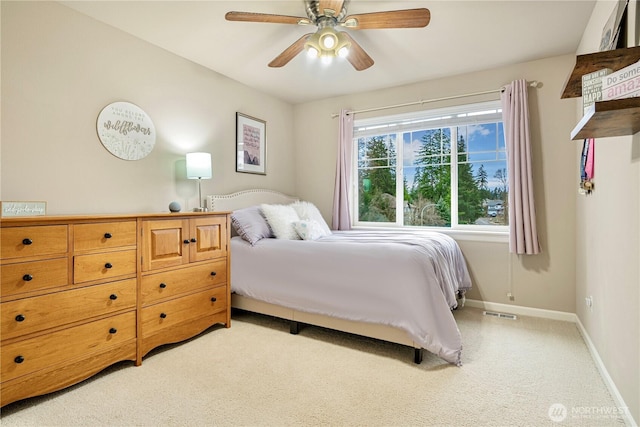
x=126, y=131
x=587, y=166
x=251, y=144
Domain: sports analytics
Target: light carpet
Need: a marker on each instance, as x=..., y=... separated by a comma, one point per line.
x=524, y=372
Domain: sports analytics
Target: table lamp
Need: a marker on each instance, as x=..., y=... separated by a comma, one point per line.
x=199, y=167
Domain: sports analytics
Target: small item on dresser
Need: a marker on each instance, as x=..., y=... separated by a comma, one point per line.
x=23, y=208
x=174, y=207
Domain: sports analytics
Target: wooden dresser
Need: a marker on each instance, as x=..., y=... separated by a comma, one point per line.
x=79, y=293
x=183, y=284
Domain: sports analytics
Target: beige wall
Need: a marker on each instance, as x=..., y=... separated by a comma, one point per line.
x=60, y=68
x=608, y=236
x=545, y=281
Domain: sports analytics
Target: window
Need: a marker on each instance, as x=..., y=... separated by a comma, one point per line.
x=442, y=168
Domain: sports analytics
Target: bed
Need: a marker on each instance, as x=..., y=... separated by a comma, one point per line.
x=394, y=286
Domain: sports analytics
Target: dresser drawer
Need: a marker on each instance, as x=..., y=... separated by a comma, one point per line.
x=172, y=283
x=103, y=235
x=22, y=242
x=105, y=265
x=34, y=314
x=24, y=357
x=182, y=310
x=33, y=276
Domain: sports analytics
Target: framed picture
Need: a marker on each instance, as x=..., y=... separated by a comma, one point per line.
x=251, y=144
x=613, y=33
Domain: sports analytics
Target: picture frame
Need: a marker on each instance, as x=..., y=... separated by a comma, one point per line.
x=251, y=144
x=613, y=33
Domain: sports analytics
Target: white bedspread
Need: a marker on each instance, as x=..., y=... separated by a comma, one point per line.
x=405, y=280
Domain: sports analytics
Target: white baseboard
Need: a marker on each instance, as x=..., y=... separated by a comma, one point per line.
x=617, y=397
x=568, y=317
x=522, y=311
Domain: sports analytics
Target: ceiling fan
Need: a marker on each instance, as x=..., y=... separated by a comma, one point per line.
x=327, y=42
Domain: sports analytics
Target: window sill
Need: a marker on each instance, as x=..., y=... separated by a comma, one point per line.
x=462, y=235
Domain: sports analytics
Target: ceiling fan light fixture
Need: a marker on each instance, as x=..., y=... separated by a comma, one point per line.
x=312, y=45
x=312, y=52
x=327, y=43
x=343, y=45
x=326, y=59
x=328, y=40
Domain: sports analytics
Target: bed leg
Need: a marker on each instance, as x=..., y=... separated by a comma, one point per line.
x=294, y=327
x=417, y=356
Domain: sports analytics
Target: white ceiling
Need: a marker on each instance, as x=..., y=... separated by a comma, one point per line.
x=462, y=36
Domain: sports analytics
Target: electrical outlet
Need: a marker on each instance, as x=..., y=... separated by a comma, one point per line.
x=510, y=296
x=589, y=302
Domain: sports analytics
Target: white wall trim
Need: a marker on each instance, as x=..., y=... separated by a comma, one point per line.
x=521, y=310
x=568, y=317
x=617, y=397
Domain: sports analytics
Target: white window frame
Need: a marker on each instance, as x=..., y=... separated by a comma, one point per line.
x=448, y=117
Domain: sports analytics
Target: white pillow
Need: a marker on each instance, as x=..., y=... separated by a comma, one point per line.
x=308, y=211
x=281, y=219
x=308, y=229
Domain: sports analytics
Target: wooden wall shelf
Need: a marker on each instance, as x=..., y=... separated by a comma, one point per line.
x=617, y=117
x=585, y=64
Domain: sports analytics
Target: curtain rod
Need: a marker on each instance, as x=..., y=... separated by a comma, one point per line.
x=534, y=83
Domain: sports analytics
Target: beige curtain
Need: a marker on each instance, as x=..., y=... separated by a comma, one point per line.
x=341, y=219
x=522, y=212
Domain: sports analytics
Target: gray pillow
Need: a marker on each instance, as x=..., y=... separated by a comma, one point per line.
x=250, y=224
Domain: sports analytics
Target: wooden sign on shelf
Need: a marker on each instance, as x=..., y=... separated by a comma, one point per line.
x=592, y=87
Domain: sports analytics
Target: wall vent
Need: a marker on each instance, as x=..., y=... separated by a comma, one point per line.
x=500, y=315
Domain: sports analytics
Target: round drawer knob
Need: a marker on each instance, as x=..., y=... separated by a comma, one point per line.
x=193, y=240
x=163, y=315
x=108, y=265
x=27, y=277
x=213, y=273
x=214, y=299
x=27, y=241
x=113, y=330
x=20, y=318
x=113, y=297
x=185, y=241
x=163, y=285
x=108, y=235
x=19, y=359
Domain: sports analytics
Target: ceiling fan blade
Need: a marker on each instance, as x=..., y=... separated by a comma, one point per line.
x=289, y=53
x=357, y=56
x=330, y=7
x=410, y=18
x=266, y=17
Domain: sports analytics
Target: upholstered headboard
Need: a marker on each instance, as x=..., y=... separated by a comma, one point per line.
x=246, y=198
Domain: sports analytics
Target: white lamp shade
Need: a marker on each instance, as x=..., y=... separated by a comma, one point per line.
x=198, y=165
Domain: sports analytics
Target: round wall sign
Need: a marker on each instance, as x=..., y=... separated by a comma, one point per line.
x=126, y=131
